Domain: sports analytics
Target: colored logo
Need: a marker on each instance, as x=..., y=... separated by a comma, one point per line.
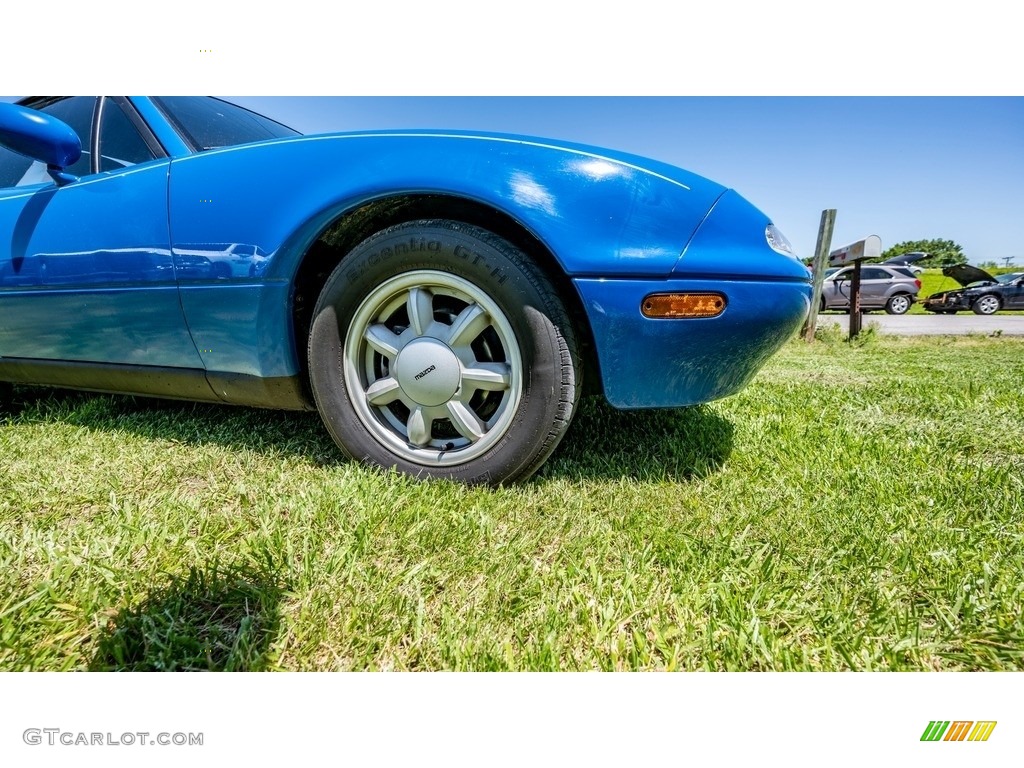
x=958, y=730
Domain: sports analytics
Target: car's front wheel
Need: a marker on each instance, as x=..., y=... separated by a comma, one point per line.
x=442, y=350
x=986, y=305
x=898, y=304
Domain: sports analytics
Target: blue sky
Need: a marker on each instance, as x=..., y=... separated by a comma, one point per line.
x=902, y=168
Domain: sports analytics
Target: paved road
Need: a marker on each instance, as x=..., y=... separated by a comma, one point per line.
x=934, y=325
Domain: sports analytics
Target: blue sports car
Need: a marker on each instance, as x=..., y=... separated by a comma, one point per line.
x=439, y=297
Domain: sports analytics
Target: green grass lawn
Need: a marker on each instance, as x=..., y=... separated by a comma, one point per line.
x=855, y=507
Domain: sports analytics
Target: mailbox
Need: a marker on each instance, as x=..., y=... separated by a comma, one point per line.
x=868, y=248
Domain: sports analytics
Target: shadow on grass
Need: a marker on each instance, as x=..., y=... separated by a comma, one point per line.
x=675, y=444
x=216, y=620
x=603, y=442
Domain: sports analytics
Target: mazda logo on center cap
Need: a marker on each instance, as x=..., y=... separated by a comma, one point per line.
x=424, y=372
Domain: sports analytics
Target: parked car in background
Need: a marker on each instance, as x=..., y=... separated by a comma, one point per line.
x=907, y=260
x=438, y=296
x=981, y=293
x=893, y=289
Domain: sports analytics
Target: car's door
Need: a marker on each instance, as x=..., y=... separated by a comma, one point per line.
x=86, y=272
x=874, y=282
x=837, y=290
x=1013, y=294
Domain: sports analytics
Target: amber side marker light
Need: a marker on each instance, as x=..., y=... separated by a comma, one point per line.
x=670, y=305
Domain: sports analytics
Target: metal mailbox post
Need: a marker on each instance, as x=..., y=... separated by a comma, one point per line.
x=868, y=248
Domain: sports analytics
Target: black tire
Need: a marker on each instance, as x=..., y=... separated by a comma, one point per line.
x=898, y=304
x=6, y=393
x=988, y=304
x=528, y=338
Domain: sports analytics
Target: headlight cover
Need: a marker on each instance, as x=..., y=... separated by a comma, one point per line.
x=777, y=241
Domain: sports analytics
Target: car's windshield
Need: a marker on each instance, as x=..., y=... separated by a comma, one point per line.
x=208, y=123
x=1008, y=278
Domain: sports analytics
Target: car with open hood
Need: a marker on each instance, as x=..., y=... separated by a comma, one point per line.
x=440, y=297
x=980, y=292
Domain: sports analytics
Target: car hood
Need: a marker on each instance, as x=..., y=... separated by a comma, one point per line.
x=647, y=165
x=965, y=274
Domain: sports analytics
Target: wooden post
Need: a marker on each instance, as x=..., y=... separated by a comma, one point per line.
x=828, y=220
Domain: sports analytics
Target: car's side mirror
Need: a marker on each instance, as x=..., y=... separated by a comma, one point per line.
x=41, y=137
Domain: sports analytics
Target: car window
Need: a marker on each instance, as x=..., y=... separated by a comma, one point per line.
x=208, y=123
x=18, y=171
x=874, y=273
x=845, y=274
x=121, y=144
x=12, y=167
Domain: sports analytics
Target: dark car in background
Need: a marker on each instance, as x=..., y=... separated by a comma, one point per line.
x=893, y=289
x=982, y=293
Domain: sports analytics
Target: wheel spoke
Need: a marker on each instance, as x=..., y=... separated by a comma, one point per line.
x=469, y=324
x=383, y=391
x=465, y=421
x=382, y=339
x=487, y=376
x=418, y=427
x=420, y=305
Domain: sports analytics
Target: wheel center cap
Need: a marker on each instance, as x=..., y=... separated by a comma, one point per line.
x=428, y=371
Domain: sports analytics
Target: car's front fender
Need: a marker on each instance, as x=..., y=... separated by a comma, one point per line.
x=598, y=215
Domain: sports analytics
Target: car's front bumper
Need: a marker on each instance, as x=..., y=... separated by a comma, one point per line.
x=655, y=363
x=946, y=303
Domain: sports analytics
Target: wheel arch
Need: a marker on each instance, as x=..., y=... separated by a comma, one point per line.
x=351, y=226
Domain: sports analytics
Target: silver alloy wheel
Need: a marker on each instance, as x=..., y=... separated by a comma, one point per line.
x=899, y=304
x=987, y=305
x=433, y=368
